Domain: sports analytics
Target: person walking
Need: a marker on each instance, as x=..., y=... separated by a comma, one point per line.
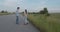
x=17, y=15
x=25, y=17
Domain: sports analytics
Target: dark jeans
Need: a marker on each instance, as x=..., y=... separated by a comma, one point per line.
x=17, y=20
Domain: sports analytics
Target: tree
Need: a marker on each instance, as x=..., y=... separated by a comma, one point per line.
x=45, y=10
x=2, y=11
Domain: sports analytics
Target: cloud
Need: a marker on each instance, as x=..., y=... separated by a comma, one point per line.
x=10, y=3
x=14, y=3
x=43, y=1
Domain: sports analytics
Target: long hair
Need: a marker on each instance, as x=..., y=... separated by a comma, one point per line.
x=26, y=11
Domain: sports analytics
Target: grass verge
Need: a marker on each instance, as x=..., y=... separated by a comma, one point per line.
x=44, y=23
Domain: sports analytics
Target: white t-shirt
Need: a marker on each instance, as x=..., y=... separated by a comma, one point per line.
x=17, y=13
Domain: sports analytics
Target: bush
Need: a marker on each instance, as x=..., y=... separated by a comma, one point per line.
x=42, y=12
x=48, y=14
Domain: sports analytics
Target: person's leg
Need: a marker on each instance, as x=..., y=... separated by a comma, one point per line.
x=17, y=19
x=26, y=22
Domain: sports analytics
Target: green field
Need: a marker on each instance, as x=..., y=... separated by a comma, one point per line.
x=46, y=23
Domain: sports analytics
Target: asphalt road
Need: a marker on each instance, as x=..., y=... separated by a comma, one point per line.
x=8, y=24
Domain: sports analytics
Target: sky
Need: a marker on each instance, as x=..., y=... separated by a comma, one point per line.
x=30, y=5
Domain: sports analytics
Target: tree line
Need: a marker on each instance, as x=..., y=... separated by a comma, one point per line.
x=44, y=11
x=4, y=11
